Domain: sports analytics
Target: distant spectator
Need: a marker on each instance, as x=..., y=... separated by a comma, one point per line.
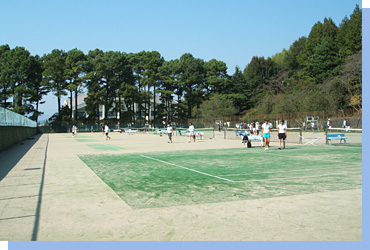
x=348, y=125
x=169, y=133
x=328, y=124
x=257, y=128
x=313, y=126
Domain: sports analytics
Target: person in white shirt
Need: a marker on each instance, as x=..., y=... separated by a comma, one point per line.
x=74, y=130
x=106, y=130
x=328, y=124
x=169, y=133
x=313, y=126
x=266, y=130
x=251, y=129
x=191, y=132
x=257, y=128
x=282, y=133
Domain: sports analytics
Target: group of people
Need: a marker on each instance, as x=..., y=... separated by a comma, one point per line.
x=254, y=127
x=190, y=130
x=346, y=125
x=105, y=130
x=266, y=134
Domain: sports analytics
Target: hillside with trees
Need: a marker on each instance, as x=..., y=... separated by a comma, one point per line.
x=322, y=71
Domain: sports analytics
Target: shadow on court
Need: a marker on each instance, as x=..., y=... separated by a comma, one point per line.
x=9, y=157
x=10, y=160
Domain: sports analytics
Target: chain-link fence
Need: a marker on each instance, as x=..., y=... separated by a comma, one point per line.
x=294, y=119
x=10, y=118
x=14, y=128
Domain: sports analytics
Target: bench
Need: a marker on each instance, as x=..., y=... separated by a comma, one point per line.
x=241, y=132
x=256, y=138
x=130, y=131
x=336, y=136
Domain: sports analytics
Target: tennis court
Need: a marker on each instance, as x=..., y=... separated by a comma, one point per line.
x=165, y=179
x=139, y=187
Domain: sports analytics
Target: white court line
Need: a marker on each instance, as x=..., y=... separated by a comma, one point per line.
x=218, y=177
x=300, y=170
x=300, y=177
x=172, y=164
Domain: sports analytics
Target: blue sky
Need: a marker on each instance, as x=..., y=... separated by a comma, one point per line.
x=232, y=31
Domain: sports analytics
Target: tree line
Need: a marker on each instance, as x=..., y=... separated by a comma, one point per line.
x=318, y=72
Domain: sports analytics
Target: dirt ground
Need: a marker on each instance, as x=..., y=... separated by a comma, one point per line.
x=48, y=194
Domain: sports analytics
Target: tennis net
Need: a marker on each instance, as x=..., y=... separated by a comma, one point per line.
x=201, y=132
x=233, y=133
x=294, y=135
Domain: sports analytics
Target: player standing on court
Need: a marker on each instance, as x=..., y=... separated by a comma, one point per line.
x=169, y=133
x=191, y=132
x=74, y=130
x=106, y=130
x=282, y=133
x=266, y=130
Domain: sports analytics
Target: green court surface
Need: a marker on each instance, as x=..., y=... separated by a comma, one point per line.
x=165, y=179
x=85, y=140
x=104, y=147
